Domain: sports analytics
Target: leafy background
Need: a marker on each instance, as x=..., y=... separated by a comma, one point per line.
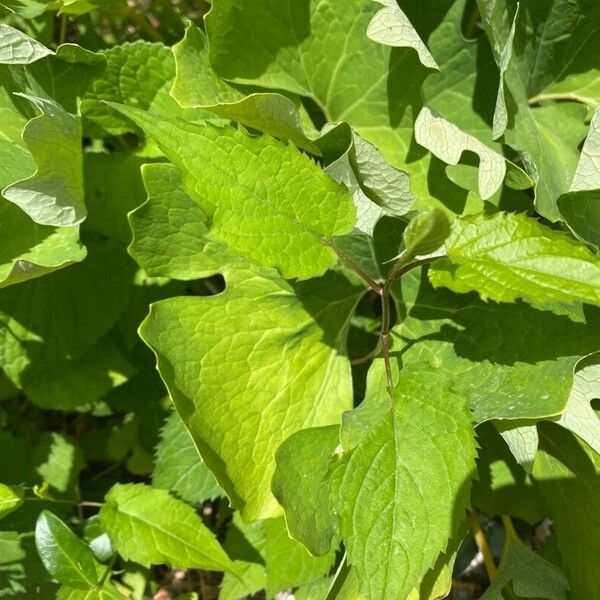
x=120, y=123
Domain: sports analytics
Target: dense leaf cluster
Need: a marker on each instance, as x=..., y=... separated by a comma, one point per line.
x=304, y=293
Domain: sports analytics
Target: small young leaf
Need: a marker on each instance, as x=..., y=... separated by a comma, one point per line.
x=65, y=556
x=10, y=499
x=149, y=526
x=426, y=232
x=510, y=256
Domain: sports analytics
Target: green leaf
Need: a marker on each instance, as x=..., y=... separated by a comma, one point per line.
x=377, y=188
x=426, y=232
x=126, y=66
x=405, y=483
x=525, y=375
x=579, y=416
x=522, y=439
x=106, y=592
x=446, y=141
x=529, y=575
x=580, y=207
x=53, y=195
x=268, y=558
x=196, y=85
x=507, y=256
x=502, y=486
x=149, y=526
x=65, y=556
x=42, y=331
x=391, y=27
x=553, y=58
x=301, y=486
x=57, y=462
x=275, y=346
x=567, y=475
x=10, y=499
x=286, y=199
x=179, y=467
x=169, y=230
x=17, y=48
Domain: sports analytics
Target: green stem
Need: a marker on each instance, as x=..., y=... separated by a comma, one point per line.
x=482, y=545
x=63, y=29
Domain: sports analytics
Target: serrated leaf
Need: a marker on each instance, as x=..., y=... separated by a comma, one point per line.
x=53, y=195
x=287, y=201
x=10, y=499
x=196, y=85
x=404, y=487
x=17, y=48
x=65, y=556
x=529, y=575
x=301, y=486
x=169, y=229
x=250, y=378
x=391, y=27
x=179, y=467
x=508, y=256
x=446, y=141
x=567, y=475
x=377, y=188
x=525, y=375
x=149, y=526
x=106, y=592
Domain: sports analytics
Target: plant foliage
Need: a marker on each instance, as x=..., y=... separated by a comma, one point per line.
x=299, y=296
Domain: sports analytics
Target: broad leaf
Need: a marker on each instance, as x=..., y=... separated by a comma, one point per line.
x=567, y=475
x=17, y=48
x=528, y=574
x=149, y=526
x=65, y=556
x=106, y=592
x=169, y=230
x=275, y=346
x=126, y=66
x=301, y=486
x=53, y=195
x=10, y=499
x=179, y=467
x=404, y=486
x=278, y=194
x=506, y=256
x=197, y=85
x=553, y=58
